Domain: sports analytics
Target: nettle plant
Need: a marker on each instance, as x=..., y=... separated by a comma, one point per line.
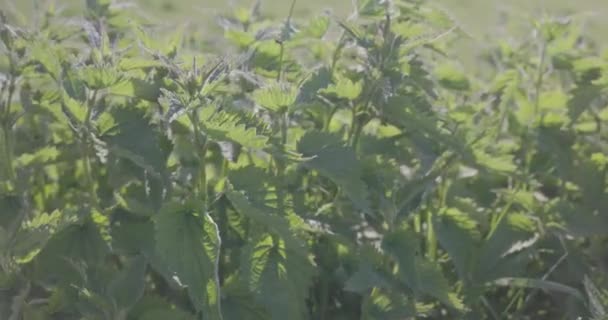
x=325, y=169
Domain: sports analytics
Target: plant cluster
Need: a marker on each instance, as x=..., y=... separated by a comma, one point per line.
x=323, y=169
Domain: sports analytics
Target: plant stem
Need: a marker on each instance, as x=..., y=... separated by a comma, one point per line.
x=539, y=78
x=353, y=125
x=7, y=130
x=201, y=145
x=7, y=152
x=356, y=136
x=431, y=237
x=86, y=151
x=280, y=165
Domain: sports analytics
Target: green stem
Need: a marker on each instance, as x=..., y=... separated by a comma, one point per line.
x=539, y=78
x=7, y=130
x=7, y=153
x=497, y=219
x=201, y=145
x=280, y=165
x=88, y=169
x=86, y=151
x=417, y=224
x=356, y=136
x=353, y=125
x=281, y=53
x=431, y=237
x=336, y=55
x=329, y=118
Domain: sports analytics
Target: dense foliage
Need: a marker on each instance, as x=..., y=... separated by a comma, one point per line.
x=322, y=169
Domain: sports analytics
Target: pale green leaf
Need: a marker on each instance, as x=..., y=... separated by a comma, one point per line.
x=316, y=27
x=344, y=88
x=500, y=163
x=451, y=77
x=276, y=97
x=97, y=78
x=136, y=88
x=223, y=126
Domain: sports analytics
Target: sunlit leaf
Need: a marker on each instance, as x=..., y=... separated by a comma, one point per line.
x=276, y=97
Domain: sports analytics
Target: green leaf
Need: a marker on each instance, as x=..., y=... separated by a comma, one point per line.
x=451, y=77
x=152, y=307
x=74, y=244
x=42, y=156
x=188, y=243
x=382, y=304
x=11, y=207
x=538, y=284
x=338, y=163
x=316, y=27
x=167, y=45
x=132, y=234
x=74, y=110
x=97, y=78
x=345, y=88
x=500, y=163
x=365, y=279
x=499, y=254
x=420, y=275
x=239, y=303
x=276, y=97
x=135, y=139
x=278, y=277
x=128, y=286
x=582, y=98
x=127, y=64
x=321, y=78
x=240, y=38
x=581, y=221
x=432, y=282
x=279, y=225
x=73, y=86
x=458, y=234
x=47, y=56
x=136, y=88
x=598, y=301
x=223, y=126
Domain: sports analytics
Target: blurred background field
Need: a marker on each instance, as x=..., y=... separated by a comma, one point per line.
x=475, y=16
x=479, y=19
